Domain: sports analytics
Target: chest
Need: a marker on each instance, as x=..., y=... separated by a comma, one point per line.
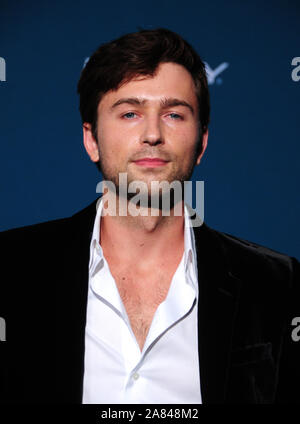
x=141, y=298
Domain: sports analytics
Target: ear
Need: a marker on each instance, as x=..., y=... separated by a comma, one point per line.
x=204, y=145
x=90, y=143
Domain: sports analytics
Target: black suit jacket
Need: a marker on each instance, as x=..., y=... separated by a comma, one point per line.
x=248, y=296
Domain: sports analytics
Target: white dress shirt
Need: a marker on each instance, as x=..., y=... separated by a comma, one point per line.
x=167, y=369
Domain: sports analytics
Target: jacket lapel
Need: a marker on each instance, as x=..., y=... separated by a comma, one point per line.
x=217, y=306
x=71, y=302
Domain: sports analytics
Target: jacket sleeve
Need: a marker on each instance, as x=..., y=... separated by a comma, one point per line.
x=288, y=389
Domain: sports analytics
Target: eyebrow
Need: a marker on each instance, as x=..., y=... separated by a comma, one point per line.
x=165, y=103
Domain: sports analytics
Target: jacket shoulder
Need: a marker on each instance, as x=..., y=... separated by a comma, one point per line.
x=247, y=258
x=47, y=228
x=251, y=247
x=53, y=228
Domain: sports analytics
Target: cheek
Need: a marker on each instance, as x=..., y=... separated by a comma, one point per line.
x=186, y=142
x=109, y=141
x=114, y=133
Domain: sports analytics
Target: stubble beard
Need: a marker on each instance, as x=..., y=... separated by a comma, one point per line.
x=112, y=175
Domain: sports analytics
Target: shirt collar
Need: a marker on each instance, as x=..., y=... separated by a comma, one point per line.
x=190, y=257
x=190, y=263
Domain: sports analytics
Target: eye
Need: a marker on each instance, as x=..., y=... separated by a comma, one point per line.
x=175, y=116
x=128, y=115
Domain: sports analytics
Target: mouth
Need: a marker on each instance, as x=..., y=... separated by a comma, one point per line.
x=151, y=162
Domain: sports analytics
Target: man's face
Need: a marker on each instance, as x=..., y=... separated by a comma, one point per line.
x=148, y=117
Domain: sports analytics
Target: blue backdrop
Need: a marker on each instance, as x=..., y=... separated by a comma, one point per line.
x=251, y=167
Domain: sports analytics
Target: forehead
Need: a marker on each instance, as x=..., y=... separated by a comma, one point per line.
x=169, y=80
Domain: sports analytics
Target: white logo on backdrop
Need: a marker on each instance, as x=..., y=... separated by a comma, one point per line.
x=85, y=62
x=213, y=75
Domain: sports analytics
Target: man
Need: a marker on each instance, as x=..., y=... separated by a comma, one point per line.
x=145, y=308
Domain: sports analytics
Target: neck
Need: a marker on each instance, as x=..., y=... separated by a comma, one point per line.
x=145, y=238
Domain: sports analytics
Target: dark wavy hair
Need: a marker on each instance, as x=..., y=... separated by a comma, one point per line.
x=134, y=54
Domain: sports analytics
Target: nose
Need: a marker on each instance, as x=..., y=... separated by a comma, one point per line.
x=152, y=133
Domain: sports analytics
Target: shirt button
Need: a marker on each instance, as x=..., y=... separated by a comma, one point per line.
x=135, y=375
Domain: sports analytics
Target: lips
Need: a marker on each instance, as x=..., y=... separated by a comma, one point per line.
x=151, y=162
